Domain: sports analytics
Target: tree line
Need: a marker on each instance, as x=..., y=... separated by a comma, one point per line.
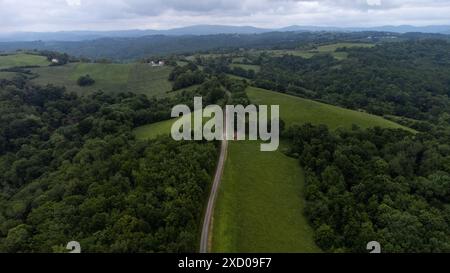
x=409, y=79
x=70, y=169
x=383, y=185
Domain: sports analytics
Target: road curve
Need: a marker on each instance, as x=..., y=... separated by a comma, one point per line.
x=206, y=229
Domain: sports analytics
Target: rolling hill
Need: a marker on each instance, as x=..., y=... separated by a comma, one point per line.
x=133, y=48
x=133, y=77
x=320, y=50
x=206, y=30
x=296, y=110
x=22, y=59
x=260, y=204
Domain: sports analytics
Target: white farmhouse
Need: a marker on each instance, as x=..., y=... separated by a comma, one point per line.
x=159, y=63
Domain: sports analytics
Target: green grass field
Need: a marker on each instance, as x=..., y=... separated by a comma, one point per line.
x=235, y=77
x=22, y=59
x=7, y=75
x=182, y=63
x=325, y=49
x=152, y=131
x=255, y=68
x=57, y=75
x=109, y=77
x=298, y=53
x=259, y=206
x=132, y=77
x=333, y=47
x=152, y=81
x=295, y=110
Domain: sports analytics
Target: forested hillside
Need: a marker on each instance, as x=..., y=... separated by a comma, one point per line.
x=387, y=184
x=135, y=48
x=376, y=183
x=409, y=79
x=70, y=169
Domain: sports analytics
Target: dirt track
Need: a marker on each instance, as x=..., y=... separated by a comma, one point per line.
x=206, y=229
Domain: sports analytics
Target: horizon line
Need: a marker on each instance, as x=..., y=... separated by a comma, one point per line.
x=227, y=25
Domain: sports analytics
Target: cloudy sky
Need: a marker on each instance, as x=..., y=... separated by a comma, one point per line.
x=56, y=15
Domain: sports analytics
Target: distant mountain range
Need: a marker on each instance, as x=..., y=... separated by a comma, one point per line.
x=202, y=30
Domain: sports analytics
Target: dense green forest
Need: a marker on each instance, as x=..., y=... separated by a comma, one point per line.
x=185, y=76
x=383, y=184
x=134, y=48
x=409, y=79
x=386, y=184
x=390, y=185
x=120, y=49
x=70, y=169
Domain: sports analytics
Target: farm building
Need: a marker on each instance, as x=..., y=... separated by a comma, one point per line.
x=158, y=63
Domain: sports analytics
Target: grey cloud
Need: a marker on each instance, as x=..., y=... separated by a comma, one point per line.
x=358, y=4
x=154, y=7
x=378, y=4
x=45, y=15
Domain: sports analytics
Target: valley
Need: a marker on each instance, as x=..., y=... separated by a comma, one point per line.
x=338, y=99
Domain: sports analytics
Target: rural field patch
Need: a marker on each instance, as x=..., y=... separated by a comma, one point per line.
x=296, y=110
x=255, y=68
x=260, y=204
x=324, y=49
x=132, y=77
x=7, y=75
x=22, y=59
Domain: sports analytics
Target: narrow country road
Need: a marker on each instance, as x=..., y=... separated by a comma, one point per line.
x=206, y=229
